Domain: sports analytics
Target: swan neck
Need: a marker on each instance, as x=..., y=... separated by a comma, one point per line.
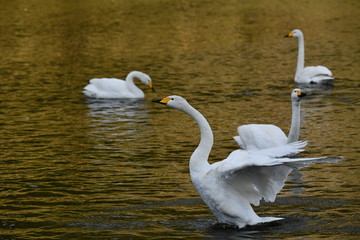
x=301, y=55
x=131, y=85
x=294, y=133
x=199, y=158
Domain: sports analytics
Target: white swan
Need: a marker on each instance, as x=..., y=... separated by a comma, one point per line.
x=230, y=186
x=117, y=88
x=312, y=74
x=261, y=136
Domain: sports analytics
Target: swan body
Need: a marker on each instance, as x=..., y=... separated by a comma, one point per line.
x=230, y=186
x=117, y=88
x=311, y=74
x=261, y=136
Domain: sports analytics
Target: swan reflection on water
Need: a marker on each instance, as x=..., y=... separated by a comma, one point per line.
x=315, y=88
x=118, y=119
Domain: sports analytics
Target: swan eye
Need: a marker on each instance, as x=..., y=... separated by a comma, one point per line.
x=172, y=98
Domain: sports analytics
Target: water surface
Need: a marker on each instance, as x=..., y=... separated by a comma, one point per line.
x=76, y=168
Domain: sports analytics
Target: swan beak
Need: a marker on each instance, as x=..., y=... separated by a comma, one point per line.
x=301, y=94
x=150, y=85
x=162, y=101
x=289, y=35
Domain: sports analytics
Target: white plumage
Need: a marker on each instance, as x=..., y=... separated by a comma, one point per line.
x=230, y=186
x=260, y=136
x=311, y=74
x=117, y=88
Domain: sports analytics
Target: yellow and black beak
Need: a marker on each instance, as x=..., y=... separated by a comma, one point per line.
x=301, y=94
x=162, y=101
x=289, y=35
x=150, y=85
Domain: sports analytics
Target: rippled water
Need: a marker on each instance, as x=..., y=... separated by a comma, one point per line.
x=75, y=168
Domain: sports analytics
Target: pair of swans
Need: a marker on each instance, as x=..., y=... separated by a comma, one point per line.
x=117, y=88
x=311, y=74
x=245, y=177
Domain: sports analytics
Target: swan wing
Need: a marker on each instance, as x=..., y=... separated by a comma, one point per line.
x=260, y=136
x=256, y=175
x=264, y=157
x=259, y=182
x=107, y=84
x=106, y=88
x=281, y=151
x=315, y=74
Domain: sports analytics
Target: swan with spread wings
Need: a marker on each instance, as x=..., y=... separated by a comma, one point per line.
x=245, y=177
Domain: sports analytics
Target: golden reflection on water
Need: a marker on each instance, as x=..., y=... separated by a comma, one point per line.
x=114, y=168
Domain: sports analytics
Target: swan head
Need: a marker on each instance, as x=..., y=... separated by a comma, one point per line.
x=144, y=78
x=297, y=94
x=294, y=33
x=174, y=101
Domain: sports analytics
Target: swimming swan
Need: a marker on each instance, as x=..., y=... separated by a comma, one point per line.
x=312, y=74
x=230, y=186
x=117, y=88
x=261, y=136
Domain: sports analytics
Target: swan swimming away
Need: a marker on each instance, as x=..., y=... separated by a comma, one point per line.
x=261, y=136
x=311, y=74
x=230, y=186
x=117, y=88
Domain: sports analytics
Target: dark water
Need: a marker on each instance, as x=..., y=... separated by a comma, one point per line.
x=74, y=168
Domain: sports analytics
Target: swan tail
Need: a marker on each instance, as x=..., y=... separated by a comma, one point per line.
x=89, y=90
x=269, y=219
x=260, y=220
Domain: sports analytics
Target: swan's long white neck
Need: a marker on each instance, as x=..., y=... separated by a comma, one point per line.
x=301, y=55
x=130, y=83
x=294, y=133
x=199, y=158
